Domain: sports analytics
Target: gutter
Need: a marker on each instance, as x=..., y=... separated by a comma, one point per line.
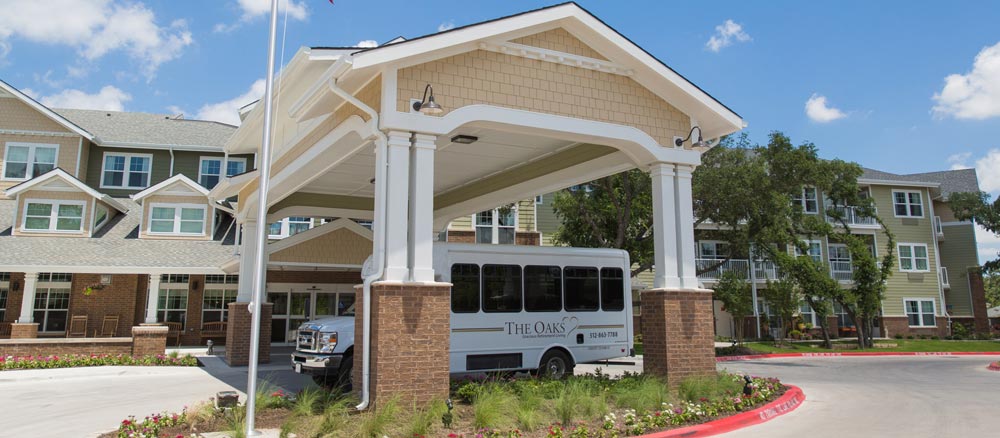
x=374, y=266
x=171, y=161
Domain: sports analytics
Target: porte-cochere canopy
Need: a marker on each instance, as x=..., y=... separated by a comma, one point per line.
x=552, y=97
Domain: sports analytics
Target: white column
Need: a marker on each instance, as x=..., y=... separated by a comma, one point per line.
x=397, y=207
x=248, y=257
x=152, y=294
x=28, y=298
x=422, y=207
x=664, y=226
x=685, y=228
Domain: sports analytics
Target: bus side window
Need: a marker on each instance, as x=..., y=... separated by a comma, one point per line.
x=612, y=290
x=465, y=288
x=542, y=288
x=581, y=289
x=502, y=288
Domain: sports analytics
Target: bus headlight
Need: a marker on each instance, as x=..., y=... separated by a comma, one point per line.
x=327, y=342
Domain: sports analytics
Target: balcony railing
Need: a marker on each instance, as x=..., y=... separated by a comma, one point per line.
x=841, y=270
x=765, y=270
x=715, y=273
x=943, y=276
x=853, y=217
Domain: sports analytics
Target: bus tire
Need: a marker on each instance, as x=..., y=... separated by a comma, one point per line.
x=555, y=365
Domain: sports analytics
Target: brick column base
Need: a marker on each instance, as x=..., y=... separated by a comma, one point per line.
x=238, y=334
x=24, y=330
x=677, y=333
x=410, y=336
x=149, y=340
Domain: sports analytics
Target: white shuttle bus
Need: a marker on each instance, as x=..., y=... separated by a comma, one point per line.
x=534, y=308
x=513, y=308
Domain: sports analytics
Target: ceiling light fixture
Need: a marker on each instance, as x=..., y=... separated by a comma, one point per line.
x=428, y=105
x=464, y=139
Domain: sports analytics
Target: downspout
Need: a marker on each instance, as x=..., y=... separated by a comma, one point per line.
x=171, y=149
x=378, y=255
x=937, y=258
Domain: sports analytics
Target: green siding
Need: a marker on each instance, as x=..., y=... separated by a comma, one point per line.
x=907, y=230
x=958, y=254
x=548, y=222
x=95, y=165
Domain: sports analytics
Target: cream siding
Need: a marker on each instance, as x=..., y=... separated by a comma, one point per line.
x=338, y=247
x=65, y=159
x=165, y=199
x=20, y=117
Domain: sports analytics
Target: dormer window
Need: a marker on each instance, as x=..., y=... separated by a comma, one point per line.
x=126, y=171
x=177, y=219
x=23, y=161
x=53, y=216
x=210, y=169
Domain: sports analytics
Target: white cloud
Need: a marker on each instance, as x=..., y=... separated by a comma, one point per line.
x=988, y=170
x=108, y=98
x=957, y=161
x=96, y=28
x=989, y=244
x=228, y=111
x=253, y=9
x=975, y=95
x=447, y=25
x=818, y=110
x=725, y=34
x=367, y=43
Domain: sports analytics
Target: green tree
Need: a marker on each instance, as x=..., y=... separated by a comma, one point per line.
x=733, y=291
x=977, y=206
x=992, y=283
x=784, y=299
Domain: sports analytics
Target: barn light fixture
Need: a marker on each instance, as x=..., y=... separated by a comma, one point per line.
x=697, y=144
x=427, y=105
x=464, y=139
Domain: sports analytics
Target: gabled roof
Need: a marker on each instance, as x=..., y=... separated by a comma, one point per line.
x=116, y=128
x=312, y=233
x=192, y=187
x=46, y=111
x=650, y=71
x=57, y=173
x=949, y=181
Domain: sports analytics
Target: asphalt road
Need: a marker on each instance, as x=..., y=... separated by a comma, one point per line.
x=922, y=396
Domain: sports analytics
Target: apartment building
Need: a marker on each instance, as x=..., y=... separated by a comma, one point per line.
x=934, y=281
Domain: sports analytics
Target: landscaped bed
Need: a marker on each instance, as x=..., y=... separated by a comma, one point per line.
x=901, y=345
x=39, y=362
x=995, y=366
x=581, y=406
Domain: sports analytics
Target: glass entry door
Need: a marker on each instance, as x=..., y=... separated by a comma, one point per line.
x=295, y=305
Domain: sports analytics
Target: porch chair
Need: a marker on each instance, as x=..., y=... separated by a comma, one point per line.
x=109, y=327
x=77, y=327
x=215, y=329
x=174, y=330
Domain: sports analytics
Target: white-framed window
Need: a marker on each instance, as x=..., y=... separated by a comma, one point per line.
x=840, y=262
x=815, y=250
x=177, y=219
x=215, y=305
x=920, y=312
x=23, y=161
x=52, y=216
x=712, y=249
x=210, y=169
x=808, y=199
x=539, y=199
x=913, y=257
x=496, y=226
x=52, y=292
x=100, y=216
x=364, y=223
x=4, y=288
x=222, y=279
x=288, y=227
x=907, y=203
x=808, y=315
x=171, y=304
x=126, y=171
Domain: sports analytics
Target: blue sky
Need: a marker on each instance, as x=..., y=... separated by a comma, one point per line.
x=893, y=85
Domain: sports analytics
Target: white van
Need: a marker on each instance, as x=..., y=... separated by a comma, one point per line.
x=513, y=308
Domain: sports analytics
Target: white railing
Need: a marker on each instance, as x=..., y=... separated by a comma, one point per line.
x=852, y=217
x=715, y=272
x=765, y=270
x=943, y=276
x=841, y=270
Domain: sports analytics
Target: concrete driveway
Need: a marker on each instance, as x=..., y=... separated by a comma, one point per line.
x=85, y=402
x=920, y=396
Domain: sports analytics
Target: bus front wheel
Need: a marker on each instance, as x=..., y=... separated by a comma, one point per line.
x=555, y=365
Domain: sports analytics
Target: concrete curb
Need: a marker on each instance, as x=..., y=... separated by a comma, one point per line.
x=995, y=366
x=857, y=354
x=788, y=402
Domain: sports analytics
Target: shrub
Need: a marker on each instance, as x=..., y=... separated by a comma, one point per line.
x=909, y=337
x=375, y=422
x=898, y=336
x=935, y=338
x=41, y=362
x=795, y=334
x=150, y=426
x=492, y=406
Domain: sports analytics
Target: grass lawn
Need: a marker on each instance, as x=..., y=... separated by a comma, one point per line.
x=903, y=345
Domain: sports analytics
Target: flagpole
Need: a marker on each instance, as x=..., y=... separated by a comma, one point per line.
x=260, y=239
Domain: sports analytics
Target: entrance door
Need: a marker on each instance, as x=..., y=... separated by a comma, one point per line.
x=294, y=305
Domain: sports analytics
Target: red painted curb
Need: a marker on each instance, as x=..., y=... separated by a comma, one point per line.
x=788, y=402
x=858, y=354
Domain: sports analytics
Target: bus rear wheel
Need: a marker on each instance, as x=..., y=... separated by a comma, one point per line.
x=555, y=365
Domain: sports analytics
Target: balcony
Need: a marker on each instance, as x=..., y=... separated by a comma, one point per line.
x=853, y=217
x=943, y=277
x=841, y=270
x=938, y=228
x=763, y=269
